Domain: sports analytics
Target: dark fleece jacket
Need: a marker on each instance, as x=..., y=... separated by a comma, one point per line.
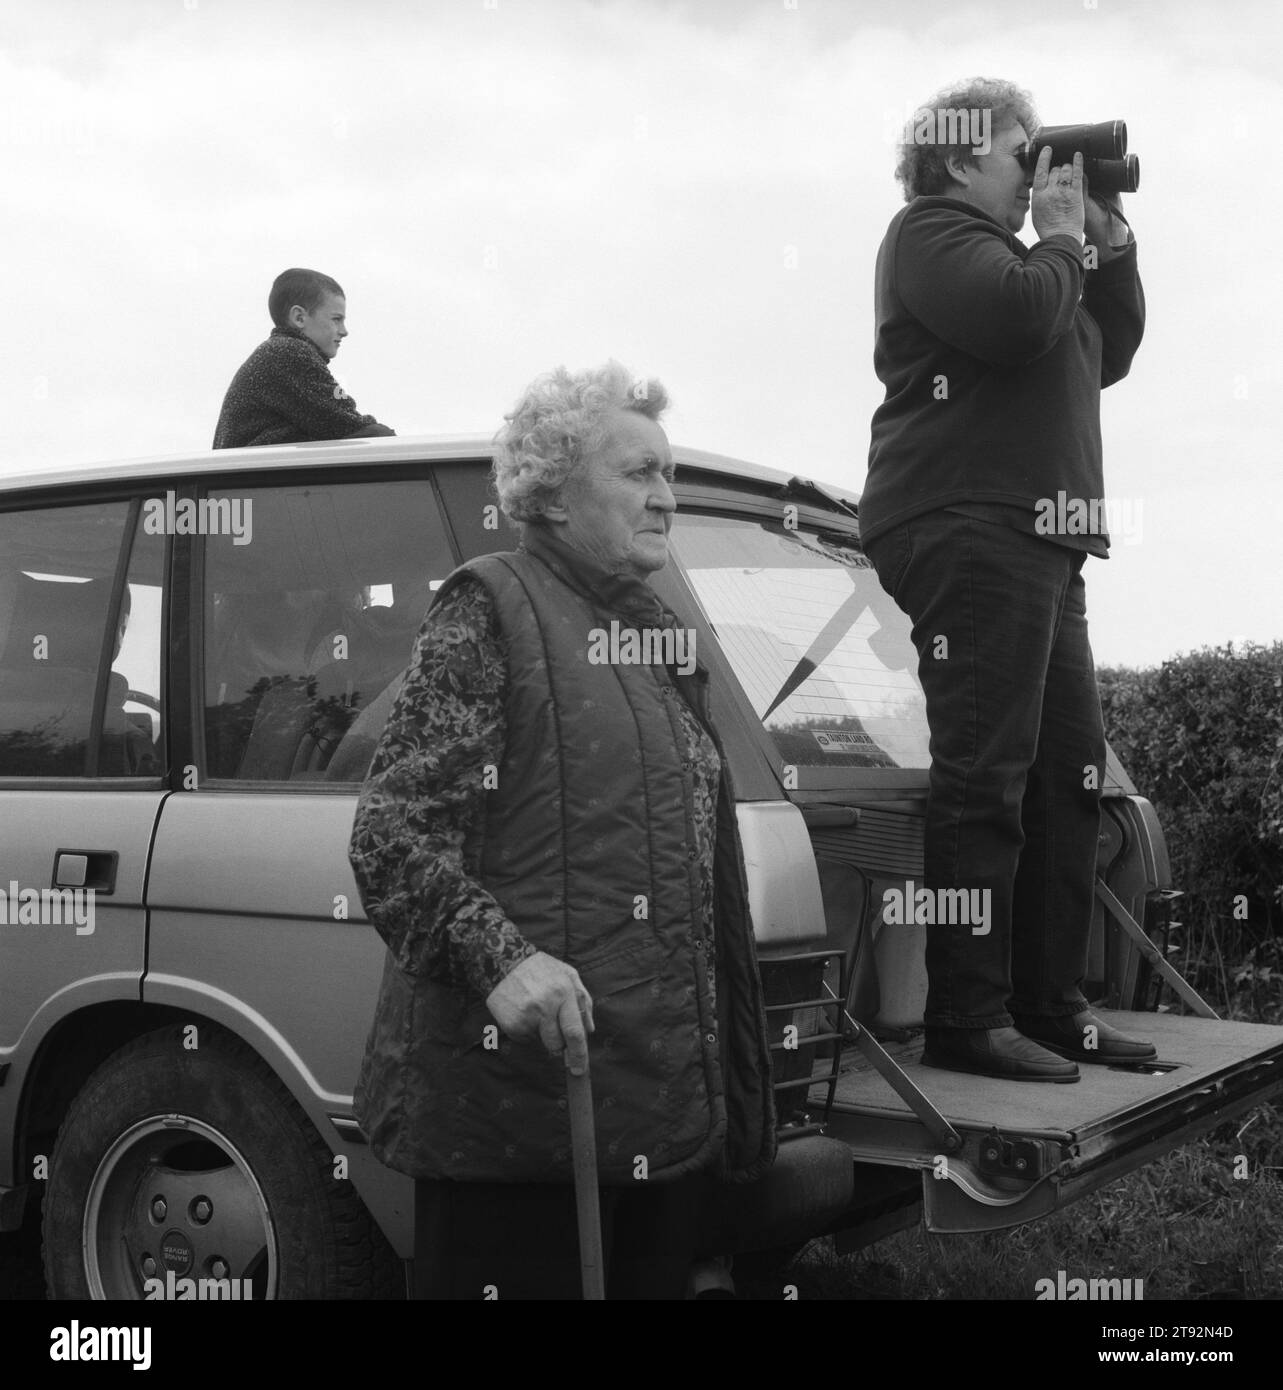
x=284, y=394
x=993, y=355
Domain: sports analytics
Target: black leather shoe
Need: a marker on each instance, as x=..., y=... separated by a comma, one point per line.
x=1067, y=1036
x=994, y=1052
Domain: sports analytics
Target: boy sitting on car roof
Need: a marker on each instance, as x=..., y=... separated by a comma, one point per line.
x=283, y=393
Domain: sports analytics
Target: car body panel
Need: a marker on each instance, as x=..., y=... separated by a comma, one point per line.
x=50, y=971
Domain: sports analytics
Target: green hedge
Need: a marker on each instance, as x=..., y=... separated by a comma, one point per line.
x=1202, y=737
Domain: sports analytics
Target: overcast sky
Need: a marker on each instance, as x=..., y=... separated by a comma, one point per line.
x=697, y=189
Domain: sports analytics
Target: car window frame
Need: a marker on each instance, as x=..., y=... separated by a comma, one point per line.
x=246, y=480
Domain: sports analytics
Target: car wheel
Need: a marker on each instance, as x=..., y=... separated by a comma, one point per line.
x=197, y=1161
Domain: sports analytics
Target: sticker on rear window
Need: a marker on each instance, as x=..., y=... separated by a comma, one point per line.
x=842, y=740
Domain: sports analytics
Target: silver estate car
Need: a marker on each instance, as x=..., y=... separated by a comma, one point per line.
x=197, y=656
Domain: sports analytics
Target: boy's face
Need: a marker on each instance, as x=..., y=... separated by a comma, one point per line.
x=325, y=325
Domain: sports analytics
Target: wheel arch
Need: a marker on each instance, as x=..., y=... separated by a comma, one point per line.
x=66, y=1056
x=80, y=1041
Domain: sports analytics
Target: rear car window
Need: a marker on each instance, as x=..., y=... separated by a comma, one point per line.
x=820, y=648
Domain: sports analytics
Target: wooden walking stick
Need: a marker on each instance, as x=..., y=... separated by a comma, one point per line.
x=583, y=1144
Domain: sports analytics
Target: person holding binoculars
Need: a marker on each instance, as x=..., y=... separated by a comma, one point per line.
x=994, y=354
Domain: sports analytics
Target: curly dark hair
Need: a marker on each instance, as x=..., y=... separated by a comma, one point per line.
x=921, y=164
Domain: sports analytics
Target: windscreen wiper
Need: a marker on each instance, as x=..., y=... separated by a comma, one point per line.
x=804, y=490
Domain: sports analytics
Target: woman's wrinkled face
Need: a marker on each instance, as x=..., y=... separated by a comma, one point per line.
x=618, y=507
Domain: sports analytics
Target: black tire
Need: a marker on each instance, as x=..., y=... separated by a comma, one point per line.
x=200, y=1161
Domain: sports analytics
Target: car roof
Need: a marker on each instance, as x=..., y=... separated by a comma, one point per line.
x=344, y=452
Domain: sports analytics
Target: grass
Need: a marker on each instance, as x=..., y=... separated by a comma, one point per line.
x=1183, y=1224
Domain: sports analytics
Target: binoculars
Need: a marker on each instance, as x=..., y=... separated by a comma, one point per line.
x=1106, y=163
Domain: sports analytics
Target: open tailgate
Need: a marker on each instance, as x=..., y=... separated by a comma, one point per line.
x=1024, y=1149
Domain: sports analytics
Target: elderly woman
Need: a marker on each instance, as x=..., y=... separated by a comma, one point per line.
x=547, y=843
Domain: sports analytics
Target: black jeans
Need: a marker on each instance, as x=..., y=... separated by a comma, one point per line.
x=1017, y=758
x=478, y=1240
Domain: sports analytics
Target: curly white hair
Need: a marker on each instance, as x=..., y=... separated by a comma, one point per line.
x=557, y=424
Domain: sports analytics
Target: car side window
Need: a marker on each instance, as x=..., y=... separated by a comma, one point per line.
x=309, y=618
x=69, y=635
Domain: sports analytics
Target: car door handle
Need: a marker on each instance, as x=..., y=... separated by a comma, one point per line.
x=86, y=868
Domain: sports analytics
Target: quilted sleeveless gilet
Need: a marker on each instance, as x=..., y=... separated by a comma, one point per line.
x=587, y=846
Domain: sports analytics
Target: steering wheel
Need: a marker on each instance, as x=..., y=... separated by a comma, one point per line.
x=140, y=697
